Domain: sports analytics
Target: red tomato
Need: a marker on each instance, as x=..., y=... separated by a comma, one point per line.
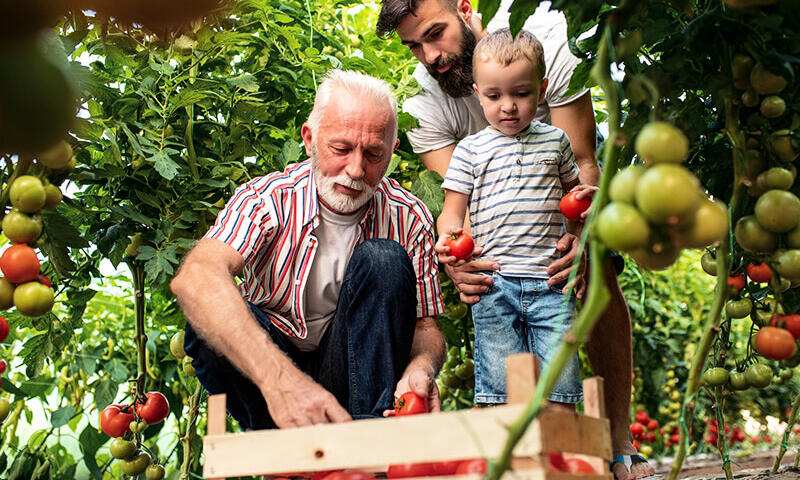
x=115, y=419
x=736, y=281
x=354, y=475
x=637, y=429
x=642, y=417
x=775, y=343
x=409, y=470
x=579, y=465
x=790, y=322
x=461, y=245
x=44, y=280
x=636, y=445
x=572, y=207
x=445, y=468
x=472, y=465
x=324, y=474
x=651, y=437
x=409, y=403
x=4, y=329
x=155, y=409
x=759, y=272
x=755, y=440
x=675, y=437
x=20, y=264
x=767, y=439
x=2, y=366
x=652, y=424
x=557, y=462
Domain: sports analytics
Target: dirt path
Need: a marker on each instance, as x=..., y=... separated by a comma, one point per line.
x=756, y=466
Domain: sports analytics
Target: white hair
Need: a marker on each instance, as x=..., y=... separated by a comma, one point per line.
x=356, y=84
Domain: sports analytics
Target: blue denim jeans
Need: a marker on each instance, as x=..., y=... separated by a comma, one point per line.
x=518, y=315
x=360, y=358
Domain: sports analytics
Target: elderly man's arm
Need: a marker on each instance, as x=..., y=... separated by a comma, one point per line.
x=207, y=292
x=427, y=355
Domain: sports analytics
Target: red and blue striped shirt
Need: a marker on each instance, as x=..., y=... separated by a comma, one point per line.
x=270, y=221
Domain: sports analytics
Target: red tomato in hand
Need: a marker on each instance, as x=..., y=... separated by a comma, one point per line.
x=579, y=465
x=759, y=272
x=155, y=409
x=20, y=264
x=557, y=462
x=4, y=329
x=461, y=245
x=409, y=403
x=572, y=207
x=409, y=470
x=736, y=281
x=115, y=419
x=473, y=465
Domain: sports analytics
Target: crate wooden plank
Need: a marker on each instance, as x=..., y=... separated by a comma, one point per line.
x=531, y=474
x=216, y=415
x=522, y=372
x=565, y=431
x=364, y=443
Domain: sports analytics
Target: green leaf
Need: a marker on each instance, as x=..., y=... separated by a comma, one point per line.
x=282, y=18
x=520, y=11
x=117, y=369
x=37, y=386
x=104, y=393
x=159, y=264
x=90, y=442
x=34, y=352
x=60, y=417
x=56, y=225
x=488, y=8
x=428, y=188
x=164, y=165
x=245, y=81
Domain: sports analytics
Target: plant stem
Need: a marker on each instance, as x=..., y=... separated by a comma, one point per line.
x=191, y=429
x=786, y=433
x=140, y=338
x=719, y=400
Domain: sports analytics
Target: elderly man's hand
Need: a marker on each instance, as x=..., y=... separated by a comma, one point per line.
x=560, y=270
x=421, y=383
x=296, y=400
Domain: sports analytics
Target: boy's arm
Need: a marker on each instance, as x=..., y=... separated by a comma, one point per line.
x=450, y=221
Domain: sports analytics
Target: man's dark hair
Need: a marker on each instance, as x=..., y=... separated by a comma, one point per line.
x=393, y=11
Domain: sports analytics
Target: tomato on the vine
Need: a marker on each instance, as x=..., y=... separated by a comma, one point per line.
x=461, y=245
x=20, y=264
x=409, y=403
x=642, y=417
x=790, y=322
x=5, y=409
x=716, y=376
x=572, y=207
x=736, y=281
x=154, y=472
x=758, y=375
x=155, y=409
x=33, y=299
x=759, y=272
x=4, y=329
x=115, y=420
x=775, y=343
x=121, y=448
x=3, y=366
x=557, y=462
x=137, y=464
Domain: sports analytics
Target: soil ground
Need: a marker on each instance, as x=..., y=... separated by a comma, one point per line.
x=756, y=466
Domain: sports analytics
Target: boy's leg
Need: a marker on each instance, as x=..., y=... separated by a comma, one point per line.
x=367, y=346
x=548, y=314
x=498, y=334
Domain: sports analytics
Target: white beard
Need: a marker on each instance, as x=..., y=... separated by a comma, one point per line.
x=339, y=202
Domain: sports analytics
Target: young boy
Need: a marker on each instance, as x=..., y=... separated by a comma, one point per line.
x=512, y=176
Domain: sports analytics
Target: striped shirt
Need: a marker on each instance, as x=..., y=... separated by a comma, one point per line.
x=270, y=222
x=514, y=187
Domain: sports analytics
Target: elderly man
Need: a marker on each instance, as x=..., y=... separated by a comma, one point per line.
x=442, y=35
x=339, y=284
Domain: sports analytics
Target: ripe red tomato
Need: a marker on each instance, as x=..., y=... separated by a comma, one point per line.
x=790, y=322
x=651, y=437
x=20, y=264
x=324, y=474
x=736, y=281
x=579, y=465
x=4, y=329
x=445, y=468
x=155, y=409
x=409, y=470
x=115, y=419
x=461, y=245
x=472, y=465
x=759, y=272
x=652, y=424
x=354, y=475
x=675, y=438
x=572, y=207
x=637, y=429
x=45, y=281
x=775, y=343
x=642, y=417
x=409, y=403
x=636, y=445
x=557, y=462
x=2, y=366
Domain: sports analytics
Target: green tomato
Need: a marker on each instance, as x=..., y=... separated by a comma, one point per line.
x=466, y=370
x=716, y=376
x=778, y=211
x=780, y=144
x=773, y=106
x=739, y=308
x=668, y=194
x=458, y=311
x=708, y=263
x=136, y=465
x=188, y=369
x=27, y=194
x=758, y=375
x=5, y=408
x=750, y=97
x=661, y=142
x=787, y=373
x=623, y=186
x=752, y=237
x=656, y=257
x=766, y=82
x=738, y=381
x=787, y=263
x=775, y=178
x=6, y=294
x=53, y=196
x=33, y=299
x=621, y=227
x=132, y=250
x=710, y=224
x=121, y=448
x=154, y=472
x=57, y=157
x=176, y=345
x=22, y=228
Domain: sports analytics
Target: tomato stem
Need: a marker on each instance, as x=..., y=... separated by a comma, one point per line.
x=786, y=433
x=137, y=269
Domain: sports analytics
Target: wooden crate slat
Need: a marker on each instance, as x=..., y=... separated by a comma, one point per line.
x=565, y=431
x=364, y=443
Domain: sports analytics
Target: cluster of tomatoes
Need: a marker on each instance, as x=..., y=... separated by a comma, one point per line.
x=457, y=375
x=125, y=423
x=732, y=435
x=658, y=209
x=176, y=348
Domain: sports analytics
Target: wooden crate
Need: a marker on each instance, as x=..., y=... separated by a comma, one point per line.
x=374, y=444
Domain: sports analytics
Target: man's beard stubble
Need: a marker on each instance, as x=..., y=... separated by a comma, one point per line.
x=339, y=202
x=457, y=81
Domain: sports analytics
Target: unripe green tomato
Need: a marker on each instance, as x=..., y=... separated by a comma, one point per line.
x=668, y=194
x=621, y=227
x=136, y=465
x=716, y=376
x=27, y=194
x=775, y=178
x=5, y=408
x=739, y=308
x=449, y=380
x=752, y=237
x=154, y=472
x=780, y=144
x=132, y=250
x=6, y=294
x=176, y=345
x=750, y=98
x=121, y=448
x=20, y=227
x=738, y=381
x=466, y=370
x=33, y=299
x=53, y=196
x=709, y=226
x=188, y=369
x=787, y=263
x=708, y=263
x=661, y=142
x=623, y=186
x=656, y=257
x=766, y=82
x=57, y=157
x=787, y=373
x=758, y=375
x=773, y=106
x=742, y=66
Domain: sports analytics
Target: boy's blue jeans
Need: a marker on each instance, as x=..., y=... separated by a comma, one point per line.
x=518, y=315
x=362, y=355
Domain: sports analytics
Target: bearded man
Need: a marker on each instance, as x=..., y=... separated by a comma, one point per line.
x=333, y=316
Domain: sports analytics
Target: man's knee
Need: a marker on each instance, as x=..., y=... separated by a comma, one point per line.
x=382, y=259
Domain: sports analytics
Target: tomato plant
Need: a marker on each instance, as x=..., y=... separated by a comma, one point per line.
x=775, y=343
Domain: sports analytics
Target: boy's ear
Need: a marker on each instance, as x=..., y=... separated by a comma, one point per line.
x=542, y=89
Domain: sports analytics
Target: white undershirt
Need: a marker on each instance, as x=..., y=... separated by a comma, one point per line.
x=337, y=236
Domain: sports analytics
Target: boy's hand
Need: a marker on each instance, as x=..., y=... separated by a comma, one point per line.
x=443, y=250
x=584, y=191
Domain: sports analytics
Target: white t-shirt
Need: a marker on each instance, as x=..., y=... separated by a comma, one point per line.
x=336, y=236
x=444, y=120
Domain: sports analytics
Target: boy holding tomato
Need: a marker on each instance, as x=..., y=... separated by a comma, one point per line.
x=512, y=175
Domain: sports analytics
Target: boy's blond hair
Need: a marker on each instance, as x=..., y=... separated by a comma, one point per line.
x=501, y=47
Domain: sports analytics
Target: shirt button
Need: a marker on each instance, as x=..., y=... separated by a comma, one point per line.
x=518, y=137
x=519, y=162
x=297, y=282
